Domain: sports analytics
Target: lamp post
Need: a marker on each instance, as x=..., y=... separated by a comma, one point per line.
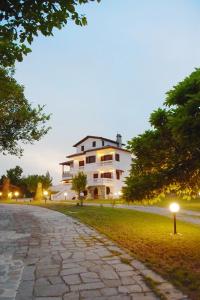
x=45, y=193
x=65, y=194
x=119, y=193
x=16, y=195
x=174, y=208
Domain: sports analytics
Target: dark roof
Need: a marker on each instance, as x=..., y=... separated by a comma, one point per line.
x=66, y=163
x=95, y=137
x=102, y=148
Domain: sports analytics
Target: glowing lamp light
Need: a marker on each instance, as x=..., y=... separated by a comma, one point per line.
x=10, y=195
x=45, y=193
x=16, y=194
x=174, y=207
x=0, y=194
x=65, y=194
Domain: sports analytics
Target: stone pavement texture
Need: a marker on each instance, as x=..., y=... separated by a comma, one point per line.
x=45, y=255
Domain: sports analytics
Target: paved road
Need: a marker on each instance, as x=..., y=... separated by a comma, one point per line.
x=183, y=215
x=45, y=255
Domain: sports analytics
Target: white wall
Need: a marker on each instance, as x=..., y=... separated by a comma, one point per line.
x=88, y=144
x=109, y=166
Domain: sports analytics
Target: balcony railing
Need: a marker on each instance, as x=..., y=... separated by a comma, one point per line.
x=67, y=175
x=106, y=162
x=103, y=180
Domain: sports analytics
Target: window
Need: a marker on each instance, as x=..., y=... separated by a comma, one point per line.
x=106, y=157
x=93, y=144
x=82, y=148
x=95, y=175
x=90, y=159
x=106, y=175
x=81, y=163
x=118, y=173
x=117, y=157
x=103, y=143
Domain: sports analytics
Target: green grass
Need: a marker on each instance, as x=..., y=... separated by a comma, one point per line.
x=193, y=204
x=148, y=237
x=104, y=201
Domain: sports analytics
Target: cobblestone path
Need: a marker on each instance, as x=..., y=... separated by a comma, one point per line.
x=45, y=255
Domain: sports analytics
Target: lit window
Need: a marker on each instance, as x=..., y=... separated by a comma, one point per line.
x=106, y=157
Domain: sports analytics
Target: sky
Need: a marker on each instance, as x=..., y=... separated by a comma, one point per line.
x=106, y=78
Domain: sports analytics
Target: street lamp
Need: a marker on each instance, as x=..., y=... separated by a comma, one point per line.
x=65, y=194
x=10, y=195
x=45, y=193
x=174, y=208
x=16, y=195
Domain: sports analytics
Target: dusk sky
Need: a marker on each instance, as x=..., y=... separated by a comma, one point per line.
x=108, y=76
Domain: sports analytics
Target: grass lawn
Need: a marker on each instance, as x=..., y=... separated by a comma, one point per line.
x=105, y=201
x=193, y=204
x=148, y=237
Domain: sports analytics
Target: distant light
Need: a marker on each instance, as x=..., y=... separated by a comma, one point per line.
x=16, y=194
x=45, y=193
x=174, y=207
x=120, y=193
x=65, y=194
x=0, y=193
x=10, y=195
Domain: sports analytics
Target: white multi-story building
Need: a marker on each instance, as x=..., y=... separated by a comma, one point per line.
x=105, y=162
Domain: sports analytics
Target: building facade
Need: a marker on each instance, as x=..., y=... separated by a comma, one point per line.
x=105, y=162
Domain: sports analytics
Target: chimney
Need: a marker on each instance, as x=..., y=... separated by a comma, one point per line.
x=119, y=140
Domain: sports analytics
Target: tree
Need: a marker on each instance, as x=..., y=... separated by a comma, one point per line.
x=46, y=180
x=22, y=20
x=31, y=182
x=15, y=175
x=19, y=121
x=79, y=183
x=5, y=188
x=167, y=157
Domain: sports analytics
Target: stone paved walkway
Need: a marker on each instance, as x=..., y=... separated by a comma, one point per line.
x=45, y=255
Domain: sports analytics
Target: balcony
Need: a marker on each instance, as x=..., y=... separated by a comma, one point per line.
x=102, y=181
x=106, y=163
x=67, y=175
